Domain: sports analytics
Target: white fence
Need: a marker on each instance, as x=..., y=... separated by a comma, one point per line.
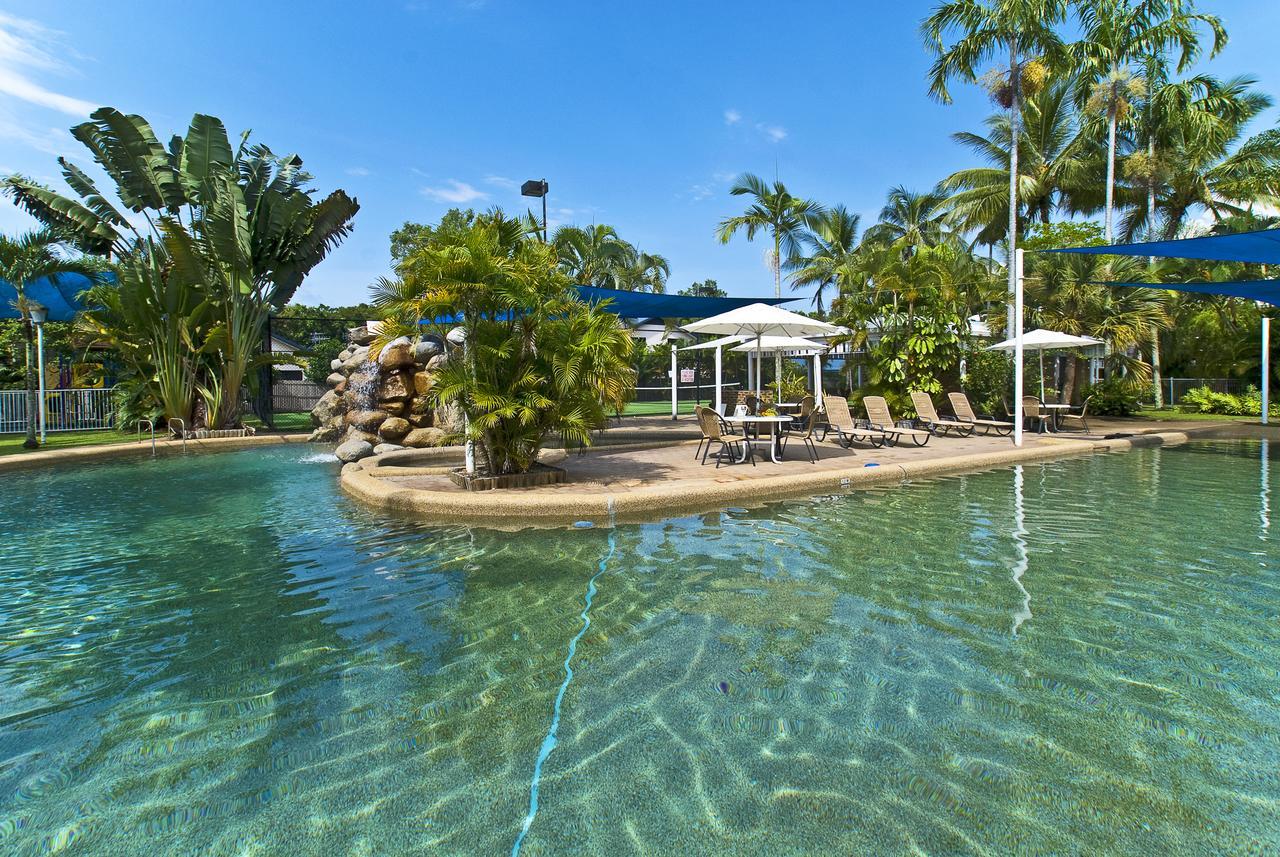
x=81, y=409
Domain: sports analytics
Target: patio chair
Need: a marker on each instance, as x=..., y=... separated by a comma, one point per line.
x=964, y=413
x=806, y=437
x=879, y=417
x=1081, y=417
x=729, y=450
x=704, y=440
x=1036, y=420
x=840, y=422
x=927, y=416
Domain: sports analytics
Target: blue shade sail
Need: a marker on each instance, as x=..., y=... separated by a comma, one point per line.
x=60, y=295
x=1260, y=248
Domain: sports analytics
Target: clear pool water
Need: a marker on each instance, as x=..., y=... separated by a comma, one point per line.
x=223, y=655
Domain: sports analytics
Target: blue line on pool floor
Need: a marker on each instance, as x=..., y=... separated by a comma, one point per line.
x=549, y=742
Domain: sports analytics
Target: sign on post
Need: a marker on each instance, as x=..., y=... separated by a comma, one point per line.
x=686, y=376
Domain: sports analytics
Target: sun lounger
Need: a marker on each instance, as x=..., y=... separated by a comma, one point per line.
x=840, y=422
x=879, y=418
x=927, y=416
x=964, y=413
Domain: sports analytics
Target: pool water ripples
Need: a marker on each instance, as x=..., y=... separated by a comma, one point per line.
x=223, y=655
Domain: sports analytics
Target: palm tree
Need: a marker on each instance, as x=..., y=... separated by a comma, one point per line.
x=1118, y=33
x=1056, y=163
x=24, y=260
x=832, y=243
x=979, y=30
x=1064, y=292
x=774, y=209
x=1205, y=166
x=592, y=256
x=911, y=219
x=784, y=216
x=644, y=272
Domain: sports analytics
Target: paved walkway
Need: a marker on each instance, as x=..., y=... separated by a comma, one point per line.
x=647, y=480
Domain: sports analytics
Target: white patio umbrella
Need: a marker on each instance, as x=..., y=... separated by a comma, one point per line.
x=1045, y=340
x=770, y=344
x=761, y=320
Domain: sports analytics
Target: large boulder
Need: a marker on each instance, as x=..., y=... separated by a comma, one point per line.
x=421, y=437
x=436, y=362
x=397, y=354
x=422, y=383
x=361, y=335
x=366, y=420
x=329, y=407
x=326, y=433
x=425, y=350
x=394, y=428
x=356, y=358
x=335, y=378
x=383, y=448
x=353, y=450
x=354, y=433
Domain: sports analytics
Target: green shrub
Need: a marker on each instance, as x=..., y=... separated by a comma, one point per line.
x=1114, y=397
x=319, y=357
x=1202, y=400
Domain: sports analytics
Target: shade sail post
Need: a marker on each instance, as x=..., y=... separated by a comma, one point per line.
x=719, y=380
x=817, y=380
x=675, y=380
x=1266, y=368
x=1017, y=347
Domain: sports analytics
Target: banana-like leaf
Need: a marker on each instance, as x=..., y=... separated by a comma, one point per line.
x=62, y=214
x=206, y=154
x=88, y=191
x=127, y=148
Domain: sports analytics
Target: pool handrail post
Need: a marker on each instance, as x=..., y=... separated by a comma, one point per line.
x=675, y=378
x=1017, y=347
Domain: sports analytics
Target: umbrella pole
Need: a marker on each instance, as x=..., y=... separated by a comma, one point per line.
x=1041, y=374
x=759, y=360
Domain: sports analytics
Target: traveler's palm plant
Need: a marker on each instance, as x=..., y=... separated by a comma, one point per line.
x=235, y=227
x=534, y=360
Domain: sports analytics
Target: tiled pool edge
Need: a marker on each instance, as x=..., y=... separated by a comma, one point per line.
x=533, y=508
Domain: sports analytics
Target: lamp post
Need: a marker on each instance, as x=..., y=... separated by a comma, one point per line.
x=538, y=188
x=39, y=314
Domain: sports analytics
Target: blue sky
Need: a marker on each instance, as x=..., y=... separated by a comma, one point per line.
x=638, y=114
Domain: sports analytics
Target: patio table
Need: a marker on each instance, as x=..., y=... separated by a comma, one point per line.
x=1055, y=413
x=775, y=438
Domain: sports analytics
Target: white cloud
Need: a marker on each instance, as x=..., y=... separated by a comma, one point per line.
x=454, y=191
x=732, y=117
x=502, y=182
x=358, y=171
x=24, y=46
x=774, y=133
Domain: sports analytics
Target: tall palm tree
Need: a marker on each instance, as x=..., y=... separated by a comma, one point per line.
x=1056, y=164
x=775, y=210
x=911, y=219
x=783, y=216
x=1204, y=165
x=24, y=260
x=832, y=243
x=978, y=30
x=1116, y=35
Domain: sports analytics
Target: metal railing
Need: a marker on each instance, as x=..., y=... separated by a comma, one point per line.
x=78, y=409
x=1176, y=388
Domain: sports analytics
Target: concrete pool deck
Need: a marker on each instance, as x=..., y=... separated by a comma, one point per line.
x=648, y=472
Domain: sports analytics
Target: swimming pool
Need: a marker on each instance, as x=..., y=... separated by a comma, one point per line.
x=222, y=654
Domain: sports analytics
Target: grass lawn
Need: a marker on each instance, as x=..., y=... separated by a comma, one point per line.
x=11, y=444
x=649, y=409
x=1167, y=415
